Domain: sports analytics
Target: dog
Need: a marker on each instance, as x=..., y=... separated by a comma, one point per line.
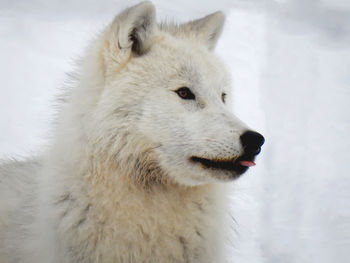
x=142, y=150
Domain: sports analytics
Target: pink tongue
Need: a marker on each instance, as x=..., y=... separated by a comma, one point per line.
x=246, y=163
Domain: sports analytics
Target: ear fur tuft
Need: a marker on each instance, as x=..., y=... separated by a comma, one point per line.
x=208, y=29
x=136, y=27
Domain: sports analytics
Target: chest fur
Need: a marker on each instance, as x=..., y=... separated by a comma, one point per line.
x=163, y=225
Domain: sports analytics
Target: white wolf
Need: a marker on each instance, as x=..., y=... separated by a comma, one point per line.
x=142, y=147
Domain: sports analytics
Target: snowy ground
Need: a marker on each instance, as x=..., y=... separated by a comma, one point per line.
x=290, y=62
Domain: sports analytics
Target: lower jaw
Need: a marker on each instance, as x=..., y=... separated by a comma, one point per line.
x=228, y=175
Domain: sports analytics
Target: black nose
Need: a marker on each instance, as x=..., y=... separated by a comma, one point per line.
x=252, y=141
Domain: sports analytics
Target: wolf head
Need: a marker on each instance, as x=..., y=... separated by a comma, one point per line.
x=162, y=106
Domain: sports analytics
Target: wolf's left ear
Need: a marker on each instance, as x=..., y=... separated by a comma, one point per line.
x=208, y=29
x=135, y=27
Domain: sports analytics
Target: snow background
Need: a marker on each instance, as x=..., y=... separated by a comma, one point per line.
x=290, y=62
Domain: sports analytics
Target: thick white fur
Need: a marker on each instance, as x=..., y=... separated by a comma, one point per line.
x=116, y=184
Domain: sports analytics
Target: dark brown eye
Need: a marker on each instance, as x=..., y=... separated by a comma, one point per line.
x=223, y=97
x=185, y=93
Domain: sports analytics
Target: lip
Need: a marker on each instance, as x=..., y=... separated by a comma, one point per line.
x=232, y=165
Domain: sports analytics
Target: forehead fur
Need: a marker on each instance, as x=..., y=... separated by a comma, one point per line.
x=134, y=36
x=184, y=58
x=157, y=54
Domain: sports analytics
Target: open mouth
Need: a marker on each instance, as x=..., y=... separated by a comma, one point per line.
x=238, y=165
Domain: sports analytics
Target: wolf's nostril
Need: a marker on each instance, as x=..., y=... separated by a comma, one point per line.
x=252, y=141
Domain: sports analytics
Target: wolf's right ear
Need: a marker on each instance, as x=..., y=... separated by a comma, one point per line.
x=134, y=28
x=208, y=29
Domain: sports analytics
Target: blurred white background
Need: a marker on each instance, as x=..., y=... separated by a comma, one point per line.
x=290, y=62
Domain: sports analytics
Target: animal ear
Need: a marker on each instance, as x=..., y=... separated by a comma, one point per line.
x=135, y=27
x=208, y=29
